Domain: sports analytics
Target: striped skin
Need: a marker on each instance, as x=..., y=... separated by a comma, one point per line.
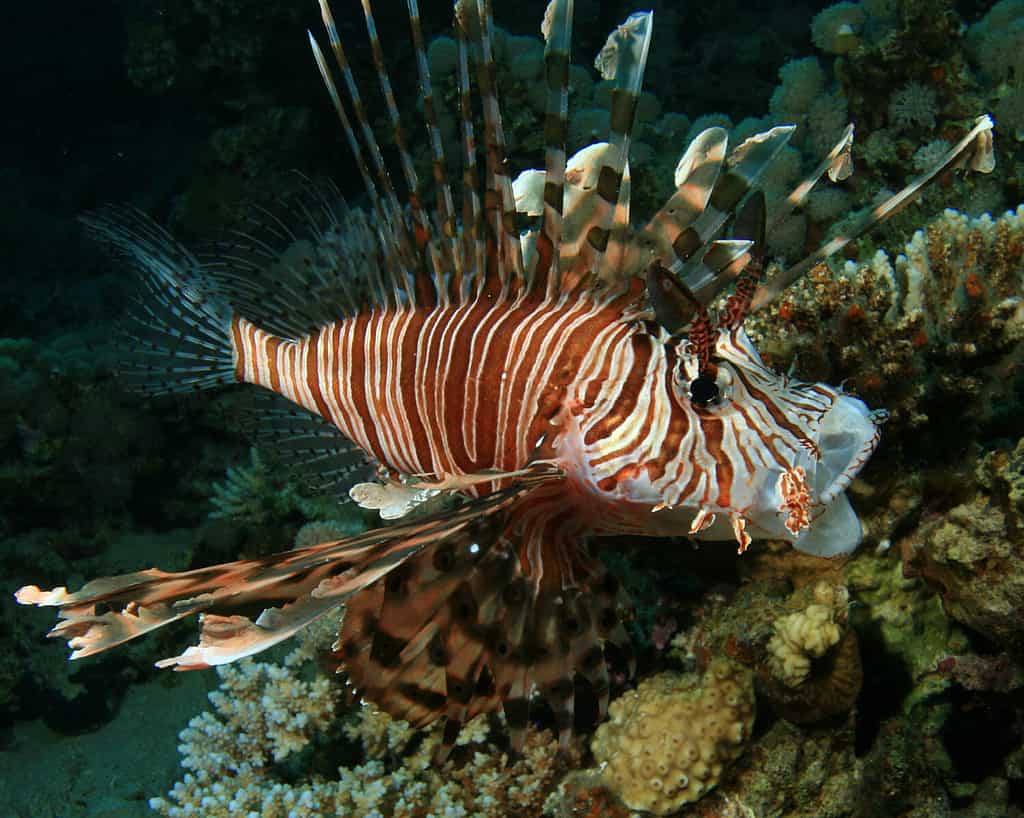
x=579, y=382
x=686, y=462
x=446, y=390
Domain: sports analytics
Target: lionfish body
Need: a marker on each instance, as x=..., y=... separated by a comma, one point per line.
x=566, y=382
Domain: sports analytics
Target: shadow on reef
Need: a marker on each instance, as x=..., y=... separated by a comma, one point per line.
x=975, y=714
x=882, y=698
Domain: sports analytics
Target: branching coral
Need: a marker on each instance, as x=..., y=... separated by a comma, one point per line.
x=244, y=759
x=263, y=713
x=945, y=317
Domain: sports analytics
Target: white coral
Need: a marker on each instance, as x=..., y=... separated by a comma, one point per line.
x=837, y=29
x=914, y=104
x=802, y=82
x=261, y=714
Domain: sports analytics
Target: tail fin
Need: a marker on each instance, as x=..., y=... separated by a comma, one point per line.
x=179, y=331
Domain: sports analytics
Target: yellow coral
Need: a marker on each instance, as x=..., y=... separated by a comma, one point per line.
x=667, y=742
x=805, y=635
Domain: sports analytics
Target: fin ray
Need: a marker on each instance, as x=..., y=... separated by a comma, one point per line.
x=109, y=611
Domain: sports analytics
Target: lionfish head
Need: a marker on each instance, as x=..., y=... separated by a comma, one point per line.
x=783, y=451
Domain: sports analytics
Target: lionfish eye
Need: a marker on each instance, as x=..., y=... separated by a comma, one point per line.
x=704, y=391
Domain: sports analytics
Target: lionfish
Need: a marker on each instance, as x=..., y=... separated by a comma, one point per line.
x=560, y=381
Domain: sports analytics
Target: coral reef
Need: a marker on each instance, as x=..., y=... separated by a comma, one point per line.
x=974, y=553
x=263, y=713
x=928, y=327
x=239, y=757
x=667, y=743
x=936, y=327
x=901, y=618
x=791, y=772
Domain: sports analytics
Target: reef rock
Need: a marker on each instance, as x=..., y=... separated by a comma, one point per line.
x=974, y=553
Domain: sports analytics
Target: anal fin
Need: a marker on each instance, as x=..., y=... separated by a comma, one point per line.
x=484, y=622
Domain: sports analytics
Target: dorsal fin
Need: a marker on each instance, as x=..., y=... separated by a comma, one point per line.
x=557, y=30
x=472, y=212
x=428, y=269
x=670, y=236
x=391, y=208
x=838, y=164
x=298, y=264
x=721, y=261
x=384, y=214
x=741, y=173
x=623, y=60
x=973, y=152
x=445, y=205
x=504, y=258
x=750, y=224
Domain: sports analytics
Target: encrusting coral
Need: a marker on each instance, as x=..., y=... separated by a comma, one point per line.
x=974, y=553
x=668, y=742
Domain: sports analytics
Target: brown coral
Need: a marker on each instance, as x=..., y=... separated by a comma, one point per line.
x=831, y=686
